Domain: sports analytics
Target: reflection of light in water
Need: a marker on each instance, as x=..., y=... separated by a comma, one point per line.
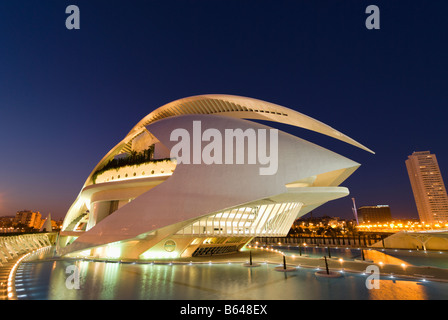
x=378, y=256
x=110, y=273
x=398, y=290
x=156, y=280
x=101, y=280
x=58, y=282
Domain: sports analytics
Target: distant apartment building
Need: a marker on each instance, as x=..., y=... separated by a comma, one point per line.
x=6, y=222
x=427, y=185
x=28, y=218
x=374, y=214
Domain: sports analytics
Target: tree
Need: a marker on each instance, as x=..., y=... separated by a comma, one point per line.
x=351, y=229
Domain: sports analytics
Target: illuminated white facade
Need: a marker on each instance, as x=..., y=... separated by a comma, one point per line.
x=139, y=203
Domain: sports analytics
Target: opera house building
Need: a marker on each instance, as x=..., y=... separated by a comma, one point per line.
x=141, y=202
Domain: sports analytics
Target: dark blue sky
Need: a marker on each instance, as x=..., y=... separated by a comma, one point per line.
x=68, y=96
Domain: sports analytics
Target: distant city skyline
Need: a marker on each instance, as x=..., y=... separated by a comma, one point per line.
x=63, y=93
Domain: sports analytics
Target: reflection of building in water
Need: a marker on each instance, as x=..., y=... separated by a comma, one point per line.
x=377, y=257
x=398, y=290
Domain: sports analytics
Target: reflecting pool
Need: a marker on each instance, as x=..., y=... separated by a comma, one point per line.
x=437, y=259
x=49, y=280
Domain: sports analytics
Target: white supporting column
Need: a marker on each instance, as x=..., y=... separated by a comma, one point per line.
x=36, y=242
x=21, y=245
x=43, y=240
x=30, y=239
x=12, y=247
x=6, y=249
x=3, y=256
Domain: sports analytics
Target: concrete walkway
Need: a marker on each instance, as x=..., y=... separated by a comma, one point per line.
x=5, y=270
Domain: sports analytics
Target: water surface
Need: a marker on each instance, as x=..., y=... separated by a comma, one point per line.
x=47, y=280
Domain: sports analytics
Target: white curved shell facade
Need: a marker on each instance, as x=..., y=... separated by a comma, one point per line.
x=162, y=207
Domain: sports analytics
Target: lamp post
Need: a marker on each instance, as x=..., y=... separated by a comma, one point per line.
x=326, y=265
